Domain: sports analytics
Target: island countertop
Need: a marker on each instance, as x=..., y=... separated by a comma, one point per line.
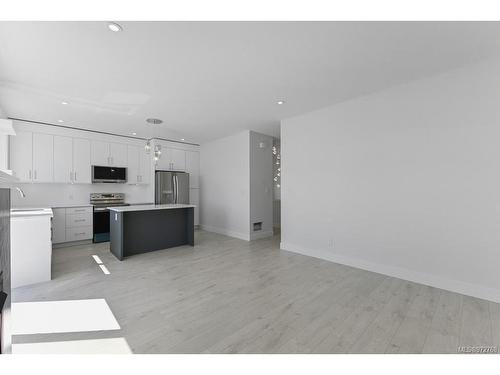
x=150, y=207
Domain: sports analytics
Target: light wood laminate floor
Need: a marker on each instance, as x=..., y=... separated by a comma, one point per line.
x=230, y=296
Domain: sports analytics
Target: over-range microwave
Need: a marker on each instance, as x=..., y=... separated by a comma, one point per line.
x=109, y=174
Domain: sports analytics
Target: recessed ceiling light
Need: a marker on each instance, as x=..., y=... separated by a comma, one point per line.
x=64, y=103
x=134, y=133
x=113, y=26
x=182, y=139
x=60, y=120
x=280, y=102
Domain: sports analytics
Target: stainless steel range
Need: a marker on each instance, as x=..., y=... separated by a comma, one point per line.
x=101, y=201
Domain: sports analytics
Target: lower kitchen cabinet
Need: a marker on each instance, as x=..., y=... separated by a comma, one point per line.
x=71, y=224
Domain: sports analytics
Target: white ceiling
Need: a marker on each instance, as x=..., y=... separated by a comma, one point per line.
x=210, y=79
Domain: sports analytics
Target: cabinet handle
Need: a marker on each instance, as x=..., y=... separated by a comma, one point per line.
x=80, y=210
x=80, y=234
x=71, y=176
x=75, y=176
x=30, y=174
x=35, y=174
x=79, y=220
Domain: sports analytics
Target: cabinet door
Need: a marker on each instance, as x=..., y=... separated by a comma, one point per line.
x=194, y=198
x=144, y=166
x=178, y=159
x=193, y=168
x=118, y=154
x=133, y=170
x=43, y=157
x=21, y=155
x=165, y=161
x=63, y=159
x=81, y=161
x=59, y=225
x=100, y=153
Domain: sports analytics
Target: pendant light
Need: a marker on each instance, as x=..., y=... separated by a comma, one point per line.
x=147, y=146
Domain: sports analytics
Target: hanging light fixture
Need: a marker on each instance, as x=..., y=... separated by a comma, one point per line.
x=157, y=152
x=147, y=146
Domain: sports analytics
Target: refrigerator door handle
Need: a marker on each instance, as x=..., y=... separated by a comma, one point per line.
x=176, y=189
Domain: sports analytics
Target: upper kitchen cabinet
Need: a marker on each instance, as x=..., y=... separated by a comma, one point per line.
x=133, y=165
x=138, y=165
x=100, y=153
x=81, y=161
x=193, y=168
x=178, y=158
x=144, y=166
x=21, y=155
x=43, y=157
x=63, y=159
x=109, y=154
x=172, y=159
x=71, y=160
x=118, y=154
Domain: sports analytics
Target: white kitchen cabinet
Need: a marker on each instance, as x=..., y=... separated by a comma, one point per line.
x=193, y=168
x=72, y=224
x=71, y=160
x=133, y=165
x=172, y=159
x=144, y=166
x=30, y=250
x=109, y=154
x=194, y=198
x=81, y=161
x=118, y=154
x=21, y=155
x=164, y=163
x=139, y=166
x=178, y=158
x=63, y=159
x=59, y=225
x=100, y=153
x=43, y=157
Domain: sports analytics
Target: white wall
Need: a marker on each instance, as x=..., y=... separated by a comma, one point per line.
x=236, y=185
x=403, y=182
x=261, y=184
x=225, y=186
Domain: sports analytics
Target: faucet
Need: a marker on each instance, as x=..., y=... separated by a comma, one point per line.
x=21, y=192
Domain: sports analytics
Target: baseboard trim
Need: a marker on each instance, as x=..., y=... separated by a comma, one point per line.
x=457, y=286
x=241, y=236
x=69, y=244
x=259, y=235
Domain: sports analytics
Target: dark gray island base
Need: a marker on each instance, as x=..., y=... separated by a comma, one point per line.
x=141, y=229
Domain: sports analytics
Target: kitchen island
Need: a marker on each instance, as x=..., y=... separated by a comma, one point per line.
x=140, y=229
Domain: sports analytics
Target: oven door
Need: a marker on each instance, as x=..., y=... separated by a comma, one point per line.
x=101, y=224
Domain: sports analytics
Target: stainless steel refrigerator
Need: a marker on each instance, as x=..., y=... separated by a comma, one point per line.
x=171, y=187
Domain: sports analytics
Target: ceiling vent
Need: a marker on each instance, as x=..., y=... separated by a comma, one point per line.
x=154, y=121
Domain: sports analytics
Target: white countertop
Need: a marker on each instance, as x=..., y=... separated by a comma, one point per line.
x=149, y=207
x=26, y=212
x=72, y=205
